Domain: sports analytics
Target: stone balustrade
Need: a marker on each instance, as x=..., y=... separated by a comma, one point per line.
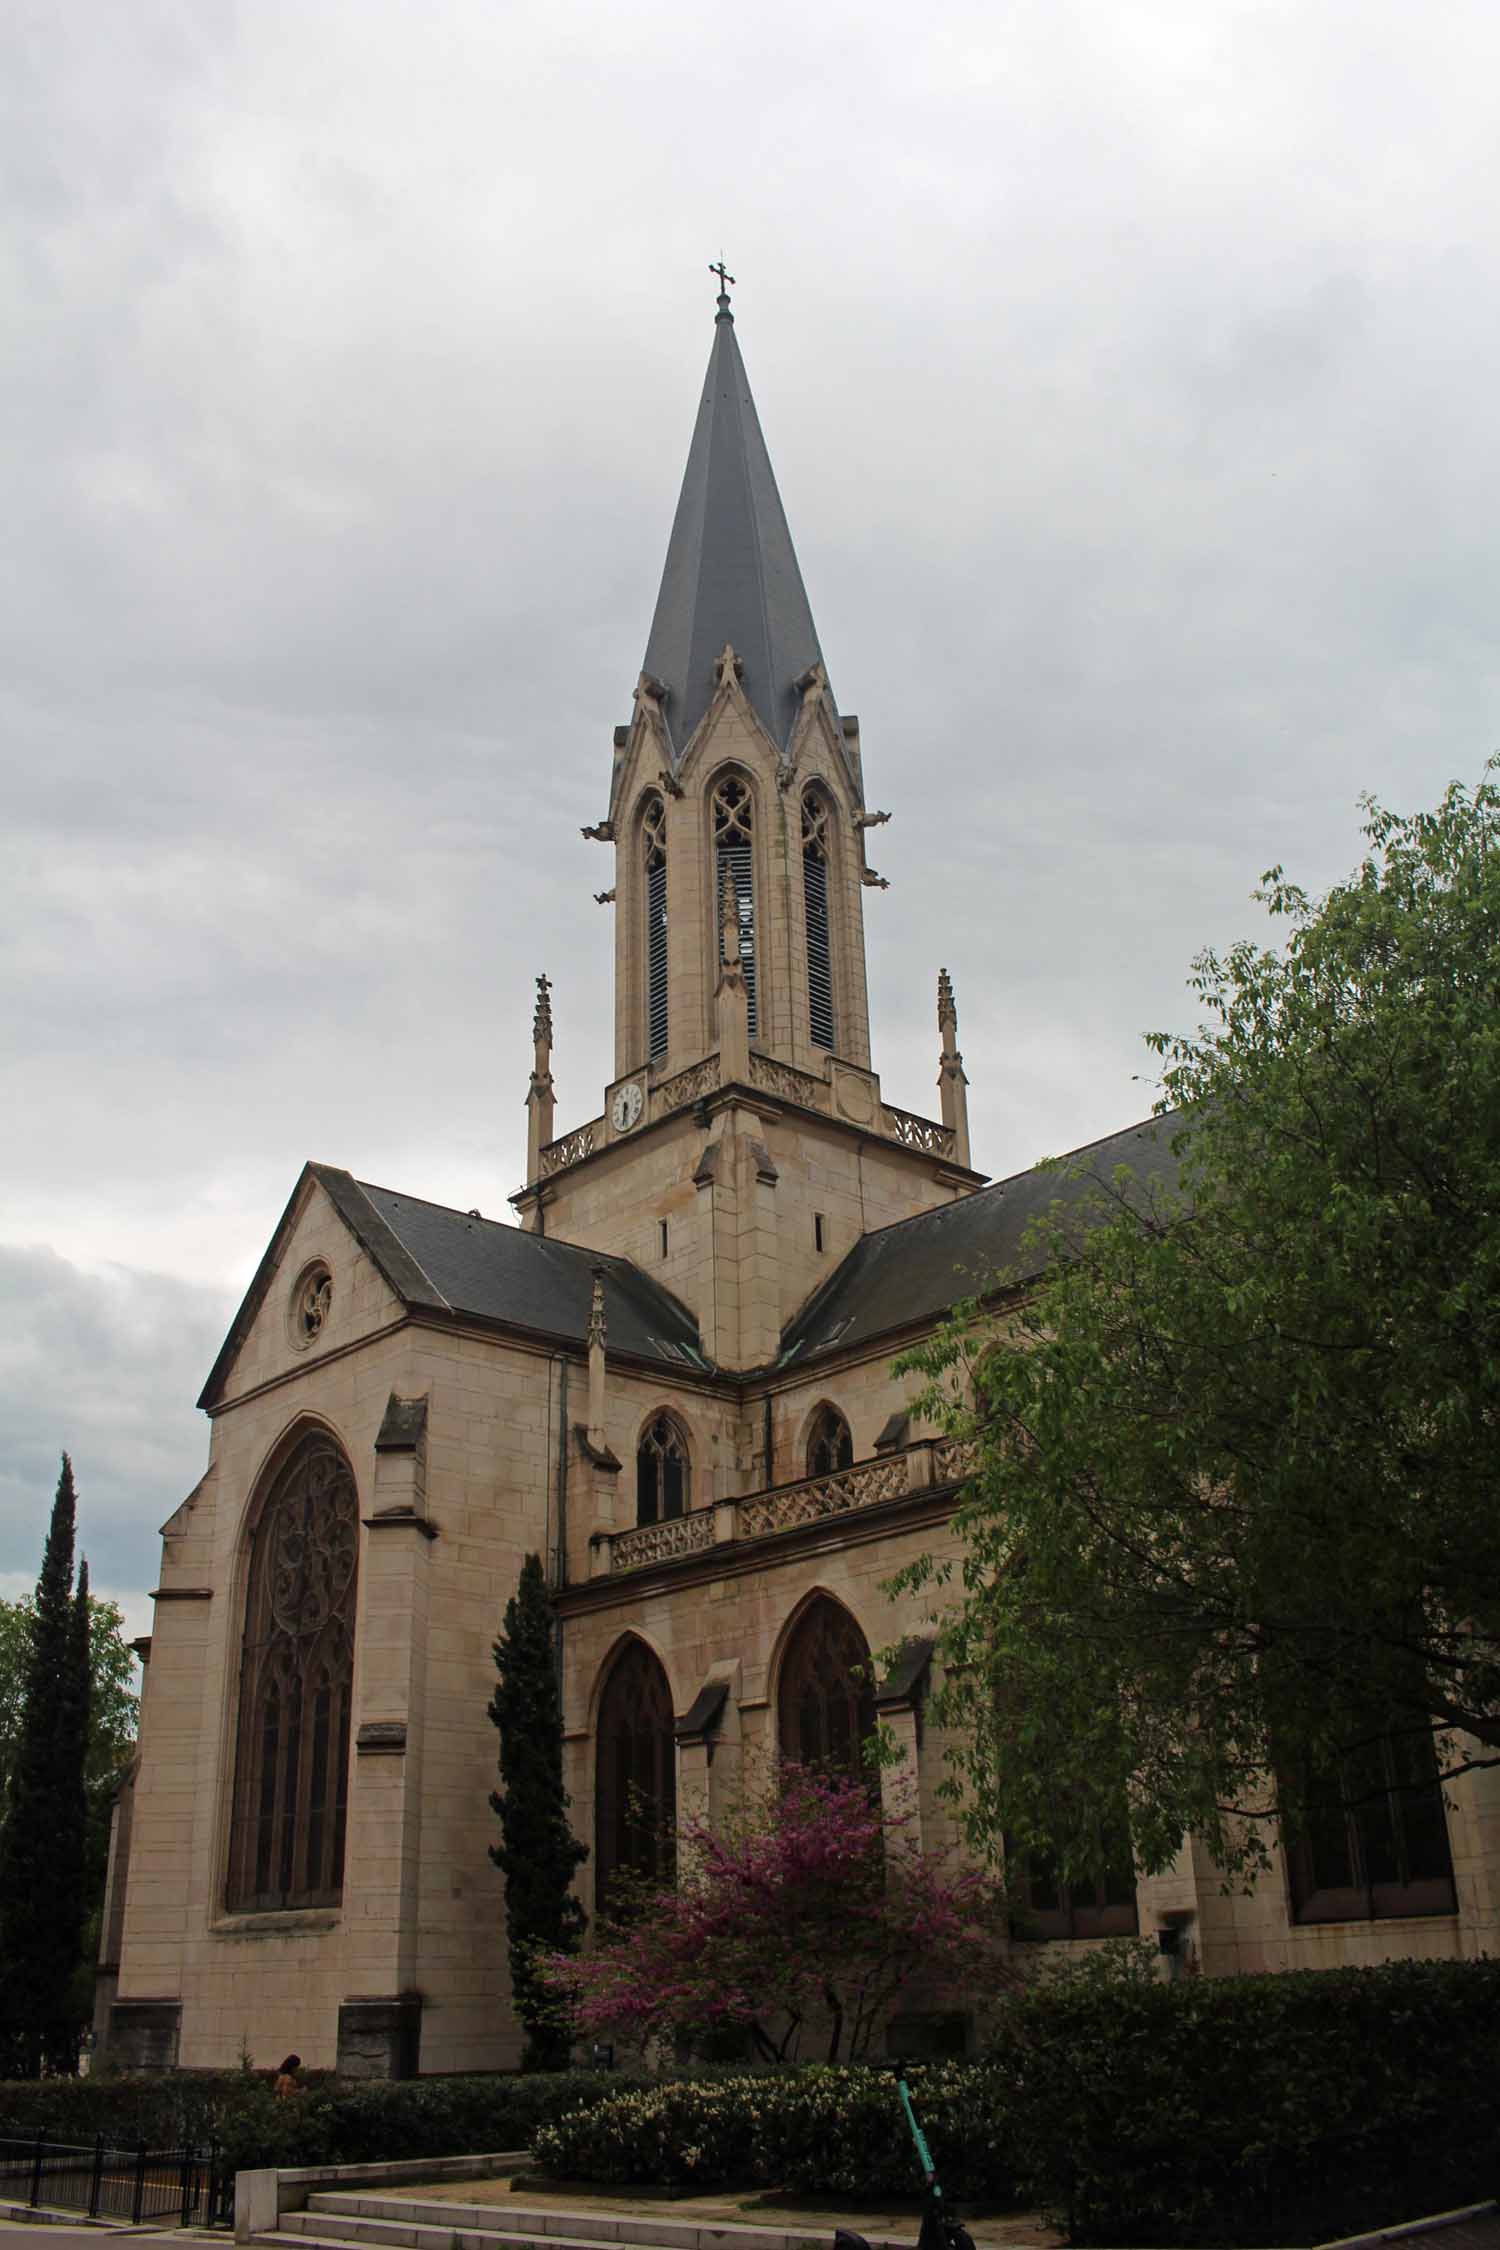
x=558, y=1155
x=928, y=1463
x=917, y=1132
x=768, y=1076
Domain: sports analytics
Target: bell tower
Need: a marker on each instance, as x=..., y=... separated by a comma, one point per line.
x=737, y=776
x=744, y=1144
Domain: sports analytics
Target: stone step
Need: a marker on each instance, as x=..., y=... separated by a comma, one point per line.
x=406, y=2222
x=448, y=2227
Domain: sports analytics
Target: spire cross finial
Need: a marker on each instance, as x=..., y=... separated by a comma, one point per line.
x=726, y=283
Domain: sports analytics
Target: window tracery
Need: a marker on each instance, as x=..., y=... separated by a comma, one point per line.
x=830, y=1445
x=654, y=854
x=663, y=1472
x=312, y=1302
x=734, y=865
x=817, y=850
x=296, y=1687
x=635, y=1776
x=826, y=1699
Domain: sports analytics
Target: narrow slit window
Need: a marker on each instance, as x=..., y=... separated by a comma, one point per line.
x=654, y=845
x=816, y=839
x=817, y=1230
x=734, y=864
x=663, y=1225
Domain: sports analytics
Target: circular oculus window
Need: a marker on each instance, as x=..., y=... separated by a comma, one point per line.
x=312, y=1302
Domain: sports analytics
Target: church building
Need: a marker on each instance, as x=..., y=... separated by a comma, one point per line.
x=672, y=1378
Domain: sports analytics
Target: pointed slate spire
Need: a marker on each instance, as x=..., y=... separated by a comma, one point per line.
x=731, y=573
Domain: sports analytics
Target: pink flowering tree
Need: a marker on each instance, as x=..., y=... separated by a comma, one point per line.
x=813, y=1907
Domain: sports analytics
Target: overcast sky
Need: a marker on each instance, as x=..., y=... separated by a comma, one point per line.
x=1130, y=374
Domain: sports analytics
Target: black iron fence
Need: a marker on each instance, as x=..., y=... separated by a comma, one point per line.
x=111, y=2181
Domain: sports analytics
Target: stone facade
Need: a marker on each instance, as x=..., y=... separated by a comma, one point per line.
x=490, y=1401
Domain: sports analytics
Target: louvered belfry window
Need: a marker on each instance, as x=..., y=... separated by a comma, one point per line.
x=734, y=856
x=635, y=1776
x=654, y=843
x=826, y=1703
x=291, y=1779
x=816, y=845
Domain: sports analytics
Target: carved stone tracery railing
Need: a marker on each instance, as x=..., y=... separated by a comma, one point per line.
x=661, y=1542
x=793, y=1085
x=953, y=1458
x=917, y=1132
x=816, y=1497
x=558, y=1155
x=929, y=1464
x=686, y=1087
x=771, y=1077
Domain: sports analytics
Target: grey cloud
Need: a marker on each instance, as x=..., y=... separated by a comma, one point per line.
x=103, y=1366
x=1129, y=378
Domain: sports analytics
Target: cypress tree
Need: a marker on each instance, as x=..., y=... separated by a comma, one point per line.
x=42, y=1843
x=538, y=1853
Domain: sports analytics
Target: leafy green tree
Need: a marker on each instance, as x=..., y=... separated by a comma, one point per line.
x=113, y=1710
x=43, y=1842
x=538, y=1853
x=113, y=1705
x=1233, y=1521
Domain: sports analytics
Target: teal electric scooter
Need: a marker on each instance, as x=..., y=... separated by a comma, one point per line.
x=941, y=2230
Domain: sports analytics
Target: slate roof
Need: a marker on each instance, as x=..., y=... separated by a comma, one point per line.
x=912, y=1272
x=452, y=1262
x=457, y=1264
x=731, y=571
x=493, y=1271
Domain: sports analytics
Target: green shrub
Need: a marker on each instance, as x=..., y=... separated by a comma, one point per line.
x=1252, y=2110
x=685, y=2134
x=333, y=2122
x=822, y=2129
x=1268, y=2109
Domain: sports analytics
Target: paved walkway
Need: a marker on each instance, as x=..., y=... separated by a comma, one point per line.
x=1007, y=2230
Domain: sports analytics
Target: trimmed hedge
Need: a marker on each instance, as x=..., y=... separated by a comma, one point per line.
x=1251, y=2110
x=1237, y=2111
x=821, y=2129
x=333, y=2122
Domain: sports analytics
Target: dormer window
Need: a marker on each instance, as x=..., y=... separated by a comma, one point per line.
x=734, y=868
x=654, y=856
x=817, y=825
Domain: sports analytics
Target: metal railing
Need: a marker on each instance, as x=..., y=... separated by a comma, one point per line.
x=113, y=2180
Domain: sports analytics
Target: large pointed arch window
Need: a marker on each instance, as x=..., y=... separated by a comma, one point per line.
x=291, y=1776
x=654, y=859
x=663, y=1472
x=734, y=870
x=635, y=1776
x=826, y=1702
x=817, y=845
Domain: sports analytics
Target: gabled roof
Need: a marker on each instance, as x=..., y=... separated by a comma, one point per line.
x=904, y=1275
x=456, y=1264
x=731, y=571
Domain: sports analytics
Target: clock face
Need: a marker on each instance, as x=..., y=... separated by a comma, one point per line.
x=625, y=1108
